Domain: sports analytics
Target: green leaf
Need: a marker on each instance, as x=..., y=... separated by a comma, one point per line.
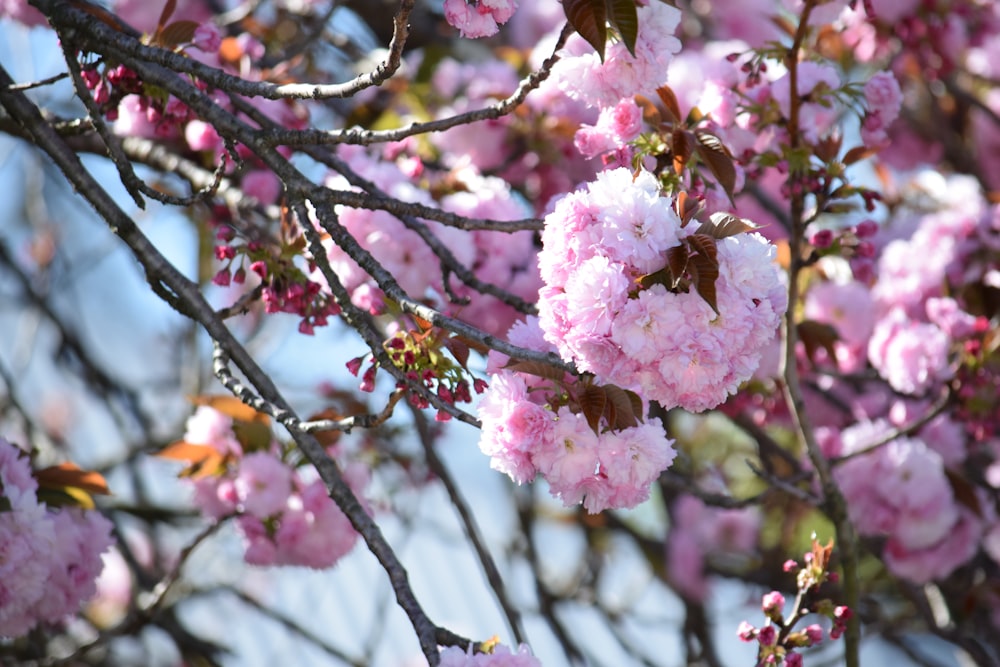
x=623, y=17
x=589, y=18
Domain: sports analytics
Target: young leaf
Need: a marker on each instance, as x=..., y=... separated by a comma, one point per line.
x=677, y=263
x=203, y=460
x=717, y=158
x=669, y=100
x=681, y=149
x=67, y=484
x=178, y=32
x=593, y=403
x=232, y=407
x=589, y=18
x=168, y=11
x=621, y=408
x=704, y=268
x=537, y=368
x=723, y=225
x=818, y=335
x=661, y=277
x=625, y=20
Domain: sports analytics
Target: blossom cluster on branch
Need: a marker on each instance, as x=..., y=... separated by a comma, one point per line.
x=736, y=260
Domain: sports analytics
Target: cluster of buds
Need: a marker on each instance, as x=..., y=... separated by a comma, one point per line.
x=852, y=243
x=778, y=640
x=420, y=355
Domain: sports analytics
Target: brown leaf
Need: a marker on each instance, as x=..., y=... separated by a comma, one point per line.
x=964, y=491
x=589, y=18
x=661, y=277
x=623, y=17
x=857, y=154
x=232, y=407
x=719, y=161
x=168, y=10
x=70, y=475
x=593, y=403
x=816, y=336
x=203, y=460
x=622, y=414
x=178, y=32
x=669, y=100
x=536, y=368
x=677, y=263
x=680, y=146
x=703, y=267
x=724, y=225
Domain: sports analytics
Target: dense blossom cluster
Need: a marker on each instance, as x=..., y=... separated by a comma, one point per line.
x=49, y=558
x=286, y=516
x=501, y=656
x=897, y=316
x=529, y=428
x=670, y=347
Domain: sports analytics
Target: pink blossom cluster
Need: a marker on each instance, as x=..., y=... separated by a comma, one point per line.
x=502, y=656
x=49, y=558
x=285, y=516
x=478, y=18
x=884, y=98
x=616, y=126
x=529, y=429
x=699, y=533
x=581, y=74
x=669, y=347
x=901, y=491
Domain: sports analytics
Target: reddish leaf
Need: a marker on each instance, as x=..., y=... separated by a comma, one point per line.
x=857, y=154
x=621, y=408
x=719, y=161
x=70, y=475
x=704, y=268
x=681, y=149
x=459, y=350
x=688, y=207
x=669, y=100
x=589, y=18
x=677, y=263
x=168, y=11
x=816, y=336
x=625, y=20
x=327, y=438
x=178, y=32
x=537, y=368
x=203, y=460
x=232, y=407
x=593, y=403
x=723, y=225
x=964, y=491
x=661, y=277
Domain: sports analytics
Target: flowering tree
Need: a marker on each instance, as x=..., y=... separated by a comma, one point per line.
x=715, y=286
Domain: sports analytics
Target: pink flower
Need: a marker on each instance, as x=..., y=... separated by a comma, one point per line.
x=911, y=356
x=478, y=18
x=262, y=484
x=207, y=37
